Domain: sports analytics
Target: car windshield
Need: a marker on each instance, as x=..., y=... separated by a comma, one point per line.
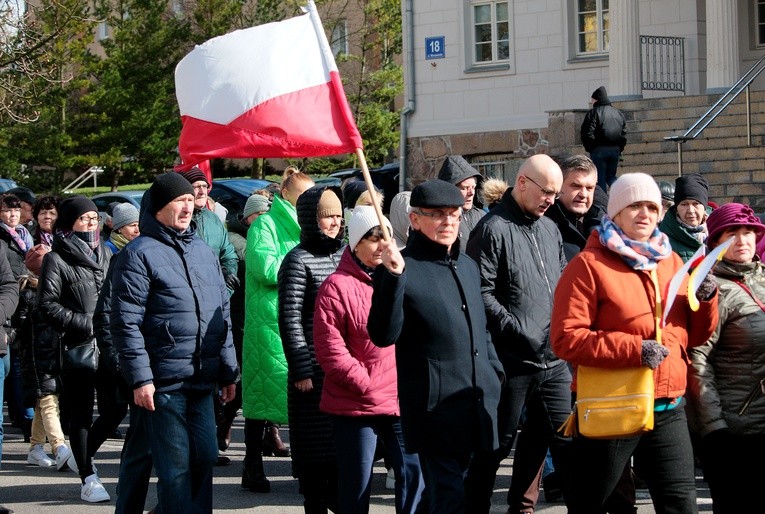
x=244, y=186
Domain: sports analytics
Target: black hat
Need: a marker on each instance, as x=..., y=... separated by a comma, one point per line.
x=23, y=193
x=194, y=175
x=166, y=188
x=436, y=193
x=72, y=208
x=667, y=190
x=692, y=187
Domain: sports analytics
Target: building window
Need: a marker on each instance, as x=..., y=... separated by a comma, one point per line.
x=490, y=32
x=592, y=24
x=760, y=22
x=339, y=39
x=102, y=31
x=493, y=166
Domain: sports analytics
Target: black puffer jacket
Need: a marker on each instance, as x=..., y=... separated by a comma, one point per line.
x=70, y=282
x=604, y=124
x=520, y=259
x=302, y=271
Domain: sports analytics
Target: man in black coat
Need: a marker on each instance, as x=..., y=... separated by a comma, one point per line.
x=520, y=255
x=604, y=135
x=576, y=213
x=427, y=301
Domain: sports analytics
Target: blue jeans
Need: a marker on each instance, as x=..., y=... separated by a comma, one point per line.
x=135, y=465
x=5, y=366
x=355, y=442
x=606, y=159
x=184, y=449
x=663, y=458
x=22, y=416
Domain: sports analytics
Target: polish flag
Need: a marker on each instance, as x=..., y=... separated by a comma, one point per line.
x=267, y=91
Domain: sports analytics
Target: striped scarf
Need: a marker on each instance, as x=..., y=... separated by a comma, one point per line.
x=638, y=255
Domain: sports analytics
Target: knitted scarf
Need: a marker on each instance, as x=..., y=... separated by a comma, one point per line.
x=638, y=255
x=20, y=235
x=90, y=240
x=699, y=232
x=118, y=240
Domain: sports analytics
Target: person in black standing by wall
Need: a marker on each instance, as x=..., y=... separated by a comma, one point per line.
x=604, y=136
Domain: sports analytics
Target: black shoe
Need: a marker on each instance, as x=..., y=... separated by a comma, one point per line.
x=223, y=461
x=255, y=481
x=5, y=510
x=116, y=434
x=552, y=488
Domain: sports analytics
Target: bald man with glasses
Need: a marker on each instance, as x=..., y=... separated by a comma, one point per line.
x=520, y=256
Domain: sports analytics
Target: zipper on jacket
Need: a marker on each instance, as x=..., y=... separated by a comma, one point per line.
x=758, y=389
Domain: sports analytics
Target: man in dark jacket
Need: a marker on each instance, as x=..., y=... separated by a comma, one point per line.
x=520, y=256
x=171, y=326
x=604, y=135
x=456, y=170
x=426, y=300
x=575, y=213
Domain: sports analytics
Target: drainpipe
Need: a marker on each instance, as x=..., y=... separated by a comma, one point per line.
x=408, y=20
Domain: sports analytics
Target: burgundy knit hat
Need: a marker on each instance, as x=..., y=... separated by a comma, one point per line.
x=732, y=215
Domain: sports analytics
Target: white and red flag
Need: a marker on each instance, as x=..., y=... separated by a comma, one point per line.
x=267, y=91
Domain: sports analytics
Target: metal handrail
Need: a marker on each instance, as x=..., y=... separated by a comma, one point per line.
x=719, y=106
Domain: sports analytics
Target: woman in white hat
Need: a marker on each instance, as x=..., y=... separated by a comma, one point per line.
x=604, y=315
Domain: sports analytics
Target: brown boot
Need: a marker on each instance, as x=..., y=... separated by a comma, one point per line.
x=273, y=444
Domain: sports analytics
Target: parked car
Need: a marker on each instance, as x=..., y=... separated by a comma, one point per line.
x=103, y=200
x=232, y=193
x=6, y=184
x=385, y=178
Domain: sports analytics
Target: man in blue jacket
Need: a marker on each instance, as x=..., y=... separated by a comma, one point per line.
x=170, y=324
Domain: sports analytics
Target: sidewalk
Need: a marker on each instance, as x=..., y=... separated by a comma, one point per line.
x=32, y=490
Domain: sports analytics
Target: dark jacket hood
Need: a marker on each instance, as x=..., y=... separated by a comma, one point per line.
x=311, y=237
x=600, y=96
x=455, y=169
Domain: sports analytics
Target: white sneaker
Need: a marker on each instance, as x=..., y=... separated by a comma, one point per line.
x=390, y=480
x=65, y=459
x=38, y=457
x=93, y=490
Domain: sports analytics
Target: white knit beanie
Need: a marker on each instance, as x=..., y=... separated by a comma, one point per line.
x=362, y=221
x=630, y=188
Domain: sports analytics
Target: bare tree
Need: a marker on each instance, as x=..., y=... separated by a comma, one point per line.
x=32, y=37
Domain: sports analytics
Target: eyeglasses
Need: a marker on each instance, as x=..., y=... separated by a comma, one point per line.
x=546, y=192
x=440, y=216
x=90, y=219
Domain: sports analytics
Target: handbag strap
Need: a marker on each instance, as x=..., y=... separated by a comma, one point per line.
x=745, y=288
x=657, y=310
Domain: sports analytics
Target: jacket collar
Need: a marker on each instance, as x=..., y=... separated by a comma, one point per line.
x=171, y=237
x=420, y=246
x=515, y=211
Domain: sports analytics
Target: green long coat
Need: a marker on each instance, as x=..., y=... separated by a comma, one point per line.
x=264, y=367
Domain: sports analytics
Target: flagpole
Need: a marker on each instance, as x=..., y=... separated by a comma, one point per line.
x=372, y=193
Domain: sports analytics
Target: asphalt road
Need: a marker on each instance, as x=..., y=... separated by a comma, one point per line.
x=32, y=490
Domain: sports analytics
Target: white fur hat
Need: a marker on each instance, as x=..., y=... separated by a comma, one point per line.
x=630, y=188
x=362, y=221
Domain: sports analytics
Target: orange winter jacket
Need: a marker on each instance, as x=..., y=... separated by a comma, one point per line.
x=603, y=310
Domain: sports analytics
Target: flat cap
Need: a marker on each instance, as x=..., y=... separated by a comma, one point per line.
x=436, y=193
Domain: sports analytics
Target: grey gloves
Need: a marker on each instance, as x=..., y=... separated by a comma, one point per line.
x=707, y=288
x=653, y=353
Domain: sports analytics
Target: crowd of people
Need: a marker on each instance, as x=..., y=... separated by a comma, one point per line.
x=438, y=340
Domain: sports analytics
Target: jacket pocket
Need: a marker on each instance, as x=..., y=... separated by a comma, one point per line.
x=434, y=384
x=165, y=343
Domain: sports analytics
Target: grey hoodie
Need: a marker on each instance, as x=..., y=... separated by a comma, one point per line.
x=454, y=170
